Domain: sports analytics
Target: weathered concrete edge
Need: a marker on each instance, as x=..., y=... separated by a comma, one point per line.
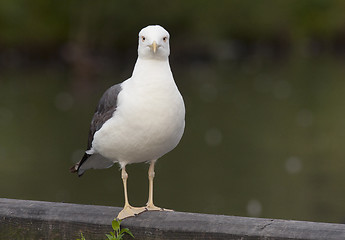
x=169, y=224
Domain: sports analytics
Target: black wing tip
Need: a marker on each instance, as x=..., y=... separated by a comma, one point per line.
x=75, y=167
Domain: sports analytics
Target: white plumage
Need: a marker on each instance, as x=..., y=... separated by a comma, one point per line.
x=140, y=119
x=149, y=119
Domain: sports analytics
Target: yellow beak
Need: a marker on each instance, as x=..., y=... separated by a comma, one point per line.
x=154, y=47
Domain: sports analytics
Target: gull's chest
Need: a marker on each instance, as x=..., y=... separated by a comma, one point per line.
x=148, y=122
x=152, y=105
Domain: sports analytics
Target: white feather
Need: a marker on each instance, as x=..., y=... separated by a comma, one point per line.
x=150, y=116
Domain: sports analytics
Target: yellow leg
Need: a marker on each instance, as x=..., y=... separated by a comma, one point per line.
x=128, y=210
x=150, y=206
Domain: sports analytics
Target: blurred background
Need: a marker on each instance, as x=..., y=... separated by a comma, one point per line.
x=263, y=83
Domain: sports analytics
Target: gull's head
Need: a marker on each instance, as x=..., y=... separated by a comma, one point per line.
x=154, y=43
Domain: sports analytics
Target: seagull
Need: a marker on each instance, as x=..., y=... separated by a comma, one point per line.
x=138, y=120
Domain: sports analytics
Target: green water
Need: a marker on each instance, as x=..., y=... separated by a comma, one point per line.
x=262, y=139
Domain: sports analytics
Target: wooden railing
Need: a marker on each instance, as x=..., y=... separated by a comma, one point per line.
x=33, y=220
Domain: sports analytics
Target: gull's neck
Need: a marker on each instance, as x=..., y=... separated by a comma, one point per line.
x=145, y=66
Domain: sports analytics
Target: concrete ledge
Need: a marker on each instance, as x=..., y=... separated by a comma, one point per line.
x=23, y=219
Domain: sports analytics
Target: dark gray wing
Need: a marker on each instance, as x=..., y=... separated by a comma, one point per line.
x=104, y=111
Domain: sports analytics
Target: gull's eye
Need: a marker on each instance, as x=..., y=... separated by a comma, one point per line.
x=143, y=38
x=165, y=39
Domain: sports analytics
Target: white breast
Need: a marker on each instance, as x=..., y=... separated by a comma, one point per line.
x=148, y=122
